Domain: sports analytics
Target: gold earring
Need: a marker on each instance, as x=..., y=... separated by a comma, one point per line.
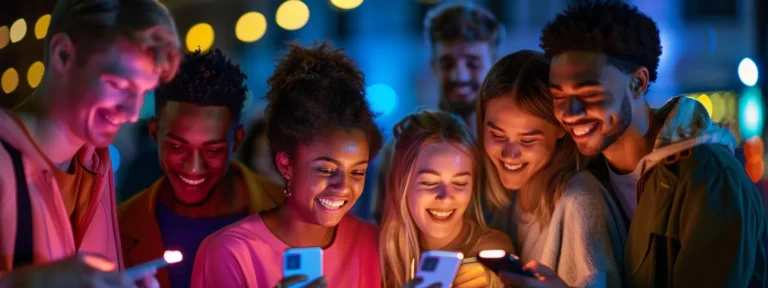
x=287, y=194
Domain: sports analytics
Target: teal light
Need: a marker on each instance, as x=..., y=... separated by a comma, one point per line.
x=148, y=110
x=382, y=98
x=751, y=112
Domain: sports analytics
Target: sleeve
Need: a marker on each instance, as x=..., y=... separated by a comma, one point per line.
x=720, y=230
x=586, y=257
x=217, y=265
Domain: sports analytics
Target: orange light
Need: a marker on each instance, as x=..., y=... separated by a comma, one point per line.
x=753, y=149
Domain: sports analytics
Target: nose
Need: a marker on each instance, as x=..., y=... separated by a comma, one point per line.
x=340, y=184
x=195, y=163
x=131, y=106
x=574, y=110
x=511, y=150
x=443, y=193
x=460, y=73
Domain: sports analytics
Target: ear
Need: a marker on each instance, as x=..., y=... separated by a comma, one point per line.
x=153, y=128
x=638, y=82
x=283, y=161
x=61, y=53
x=239, y=135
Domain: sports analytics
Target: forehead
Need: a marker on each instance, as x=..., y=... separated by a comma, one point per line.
x=443, y=157
x=506, y=114
x=581, y=66
x=460, y=48
x=127, y=59
x=338, y=144
x=182, y=118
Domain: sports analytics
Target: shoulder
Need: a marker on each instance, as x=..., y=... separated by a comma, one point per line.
x=361, y=231
x=134, y=203
x=582, y=189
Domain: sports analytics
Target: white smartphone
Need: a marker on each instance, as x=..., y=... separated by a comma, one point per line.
x=439, y=267
x=303, y=261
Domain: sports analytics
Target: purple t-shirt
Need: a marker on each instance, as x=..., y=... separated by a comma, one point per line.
x=185, y=234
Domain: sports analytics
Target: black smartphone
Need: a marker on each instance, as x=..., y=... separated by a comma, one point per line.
x=500, y=261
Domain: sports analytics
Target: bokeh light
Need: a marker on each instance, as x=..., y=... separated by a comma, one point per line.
x=248, y=101
x=148, y=110
x=346, y=4
x=292, y=15
x=5, y=35
x=706, y=102
x=114, y=154
x=41, y=27
x=251, y=27
x=10, y=80
x=753, y=149
x=382, y=98
x=18, y=30
x=751, y=112
x=748, y=72
x=35, y=74
x=718, y=107
x=200, y=36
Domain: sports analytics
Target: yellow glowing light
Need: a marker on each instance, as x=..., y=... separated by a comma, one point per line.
x=18, y=30
x=35, y=74
x=10, y=80
x=41, y=27
x=346, y=4
x=718, y=107
x=251, y=27
x=292, y=15
x=704, y=100
x=200, y=36
x=4, y=36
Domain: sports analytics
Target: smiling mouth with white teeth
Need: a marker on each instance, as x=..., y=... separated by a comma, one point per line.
x=192, y=182
x=332, y=205
x=110, y=119
x=514, y=167
x=583, y=130
x=441, y=215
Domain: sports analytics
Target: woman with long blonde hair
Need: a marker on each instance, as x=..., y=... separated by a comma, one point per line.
x=432, y=202
x=557, y=214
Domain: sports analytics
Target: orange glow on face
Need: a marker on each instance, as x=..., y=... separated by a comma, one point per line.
x=172, y=256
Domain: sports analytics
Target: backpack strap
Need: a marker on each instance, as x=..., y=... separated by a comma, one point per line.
x=22, y=248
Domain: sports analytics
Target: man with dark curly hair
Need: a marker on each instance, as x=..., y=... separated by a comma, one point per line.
x=197, y=128
x=696, y=218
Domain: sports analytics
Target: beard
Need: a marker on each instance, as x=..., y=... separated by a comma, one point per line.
x=461, y=108
x=609, y=137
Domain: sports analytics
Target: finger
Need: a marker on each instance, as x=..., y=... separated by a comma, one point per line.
x=413, y=282
x=320, y=282
x=473, y=283
x=293, y=279
x=468, y=272
x=540, y=269
x=435, y=285
x=143, y=276
x=150, y=282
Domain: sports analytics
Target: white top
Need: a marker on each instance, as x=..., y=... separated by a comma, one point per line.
x=530, y=236
x=625, y=186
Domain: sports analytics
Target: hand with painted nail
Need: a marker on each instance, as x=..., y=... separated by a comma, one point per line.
x=546, y=277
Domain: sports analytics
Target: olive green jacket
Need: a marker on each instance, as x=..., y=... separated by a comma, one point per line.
x=699, y=221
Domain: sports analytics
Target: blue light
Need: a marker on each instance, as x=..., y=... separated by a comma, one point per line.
x=748, y=72
x=148, y=110
x=751, y=113
x=115, y=156
x=382, y=98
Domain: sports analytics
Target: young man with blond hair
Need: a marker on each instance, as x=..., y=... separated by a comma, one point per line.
x=56, y=184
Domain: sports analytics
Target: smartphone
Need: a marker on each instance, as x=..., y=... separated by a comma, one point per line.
x=439, y=267
x=500, y=261
x=303, y=261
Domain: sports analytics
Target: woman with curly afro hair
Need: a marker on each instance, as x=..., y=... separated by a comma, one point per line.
x=322, y=135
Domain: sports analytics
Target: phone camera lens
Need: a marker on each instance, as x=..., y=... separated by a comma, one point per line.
x=430, y=263
x=293, y=262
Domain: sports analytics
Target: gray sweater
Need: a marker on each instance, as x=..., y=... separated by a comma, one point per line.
x=584, y=241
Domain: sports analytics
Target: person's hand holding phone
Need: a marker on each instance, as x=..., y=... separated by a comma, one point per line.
x=289, y=281
x=472, y=275
x=545, y=277
x=81, y=270
x=418, y=280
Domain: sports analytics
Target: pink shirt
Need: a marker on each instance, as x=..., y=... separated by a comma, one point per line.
x=247, y=254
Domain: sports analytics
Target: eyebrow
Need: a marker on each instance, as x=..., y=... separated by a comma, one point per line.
x=533, y=132
x=433, y=172
x=587, y=83
x=182, y=140
x=334, y=161
x=492, y=125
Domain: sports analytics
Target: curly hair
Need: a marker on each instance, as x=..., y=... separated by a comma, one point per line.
x=206, y=79
x=314, y=89
x=628, y=37
x=462, y=21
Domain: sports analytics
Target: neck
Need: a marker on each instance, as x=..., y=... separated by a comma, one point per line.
x=524, y=200
x=228, y=197
x=428, y=242
x=295, y=231
x=49, y=131
x=637, y=142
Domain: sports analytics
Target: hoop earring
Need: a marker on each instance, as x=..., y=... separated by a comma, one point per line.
x=287, y=194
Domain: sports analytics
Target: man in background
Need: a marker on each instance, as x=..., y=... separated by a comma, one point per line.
x=56, y=184
x=197, y=129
